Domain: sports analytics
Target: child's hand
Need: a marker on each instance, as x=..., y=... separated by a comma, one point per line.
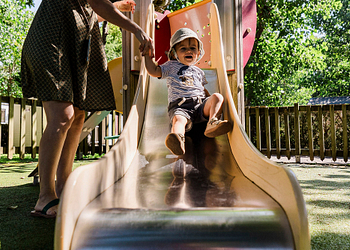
x=126, y=6
x=147, y=49
x=150, y=53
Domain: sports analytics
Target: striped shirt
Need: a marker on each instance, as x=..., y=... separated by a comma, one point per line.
x=183, y=81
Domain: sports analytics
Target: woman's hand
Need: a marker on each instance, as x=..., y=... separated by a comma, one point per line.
x=146, y=44
x=126, y=6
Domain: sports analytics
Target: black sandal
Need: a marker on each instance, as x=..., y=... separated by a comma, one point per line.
x=43, y=213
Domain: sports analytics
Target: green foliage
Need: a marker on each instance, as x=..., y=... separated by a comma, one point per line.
x=335, y=30
x=15, y=20
x=113, y=45
x=301, y=51
x=179, y=4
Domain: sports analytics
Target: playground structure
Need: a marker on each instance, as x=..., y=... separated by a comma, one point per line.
x=222, y=194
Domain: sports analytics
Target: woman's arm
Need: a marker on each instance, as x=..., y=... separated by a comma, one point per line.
x=109, y=12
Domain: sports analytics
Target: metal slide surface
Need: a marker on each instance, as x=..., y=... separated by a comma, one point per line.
x=198, y=201
x=222, y=194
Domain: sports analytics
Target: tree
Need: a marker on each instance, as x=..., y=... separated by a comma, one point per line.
x=334, y=27
x=15, y=20
x=172, y=5
x=292, y=56
x=113, y=47
x=179, y=4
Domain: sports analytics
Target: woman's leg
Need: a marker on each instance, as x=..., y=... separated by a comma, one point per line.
x=69, y=150
x=60, y=116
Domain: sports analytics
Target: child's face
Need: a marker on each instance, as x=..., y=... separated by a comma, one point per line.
x=187, y=51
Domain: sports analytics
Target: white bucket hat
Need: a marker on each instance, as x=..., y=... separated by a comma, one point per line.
x=182, y=34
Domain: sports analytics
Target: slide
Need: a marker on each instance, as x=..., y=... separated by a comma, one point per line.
x=222, y=194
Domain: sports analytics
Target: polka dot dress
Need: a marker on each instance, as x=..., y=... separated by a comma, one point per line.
x=54, y=57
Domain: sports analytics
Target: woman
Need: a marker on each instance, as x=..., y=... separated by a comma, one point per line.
x=64, y=66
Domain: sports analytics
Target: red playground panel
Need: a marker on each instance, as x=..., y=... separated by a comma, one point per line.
x=196, y=17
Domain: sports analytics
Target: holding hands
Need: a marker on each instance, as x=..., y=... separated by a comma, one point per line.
x=107, y=11
x=146, y=47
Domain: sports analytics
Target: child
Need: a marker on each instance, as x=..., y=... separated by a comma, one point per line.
x=189, y=102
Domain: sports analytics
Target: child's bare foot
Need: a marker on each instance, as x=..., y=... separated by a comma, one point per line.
x=217, y=127
x=175, y=143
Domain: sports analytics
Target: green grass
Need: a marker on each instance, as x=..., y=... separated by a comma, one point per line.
x=325, y=188
x=27, y=158
x=18, y=230
x=326, y=192
x=17, y=197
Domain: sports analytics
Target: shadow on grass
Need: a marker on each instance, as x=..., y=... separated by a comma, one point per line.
x=328, y=182
x=331, y=204
x=27, y=167
x=328, y=241
x=16, y=168
x=324, y=185
x=18, y=229
x=326, y=189
x=16, y=159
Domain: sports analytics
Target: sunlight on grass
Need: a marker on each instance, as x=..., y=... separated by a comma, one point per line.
x=325, y=188
x=326, y=193
x=17, y=198
x=15, y=172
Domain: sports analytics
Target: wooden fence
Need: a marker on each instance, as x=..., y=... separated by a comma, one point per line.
x=23, y=121
x=318, y=130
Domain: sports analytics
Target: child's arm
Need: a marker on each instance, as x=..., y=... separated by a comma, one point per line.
x=207, y=94
x=152, y=67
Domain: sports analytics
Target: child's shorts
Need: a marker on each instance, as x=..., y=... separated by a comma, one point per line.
x=191, y=108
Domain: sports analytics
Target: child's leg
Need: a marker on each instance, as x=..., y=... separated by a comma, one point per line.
x=213, y=110
x=178, y=124
x=213, y=106
x=175, y=141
